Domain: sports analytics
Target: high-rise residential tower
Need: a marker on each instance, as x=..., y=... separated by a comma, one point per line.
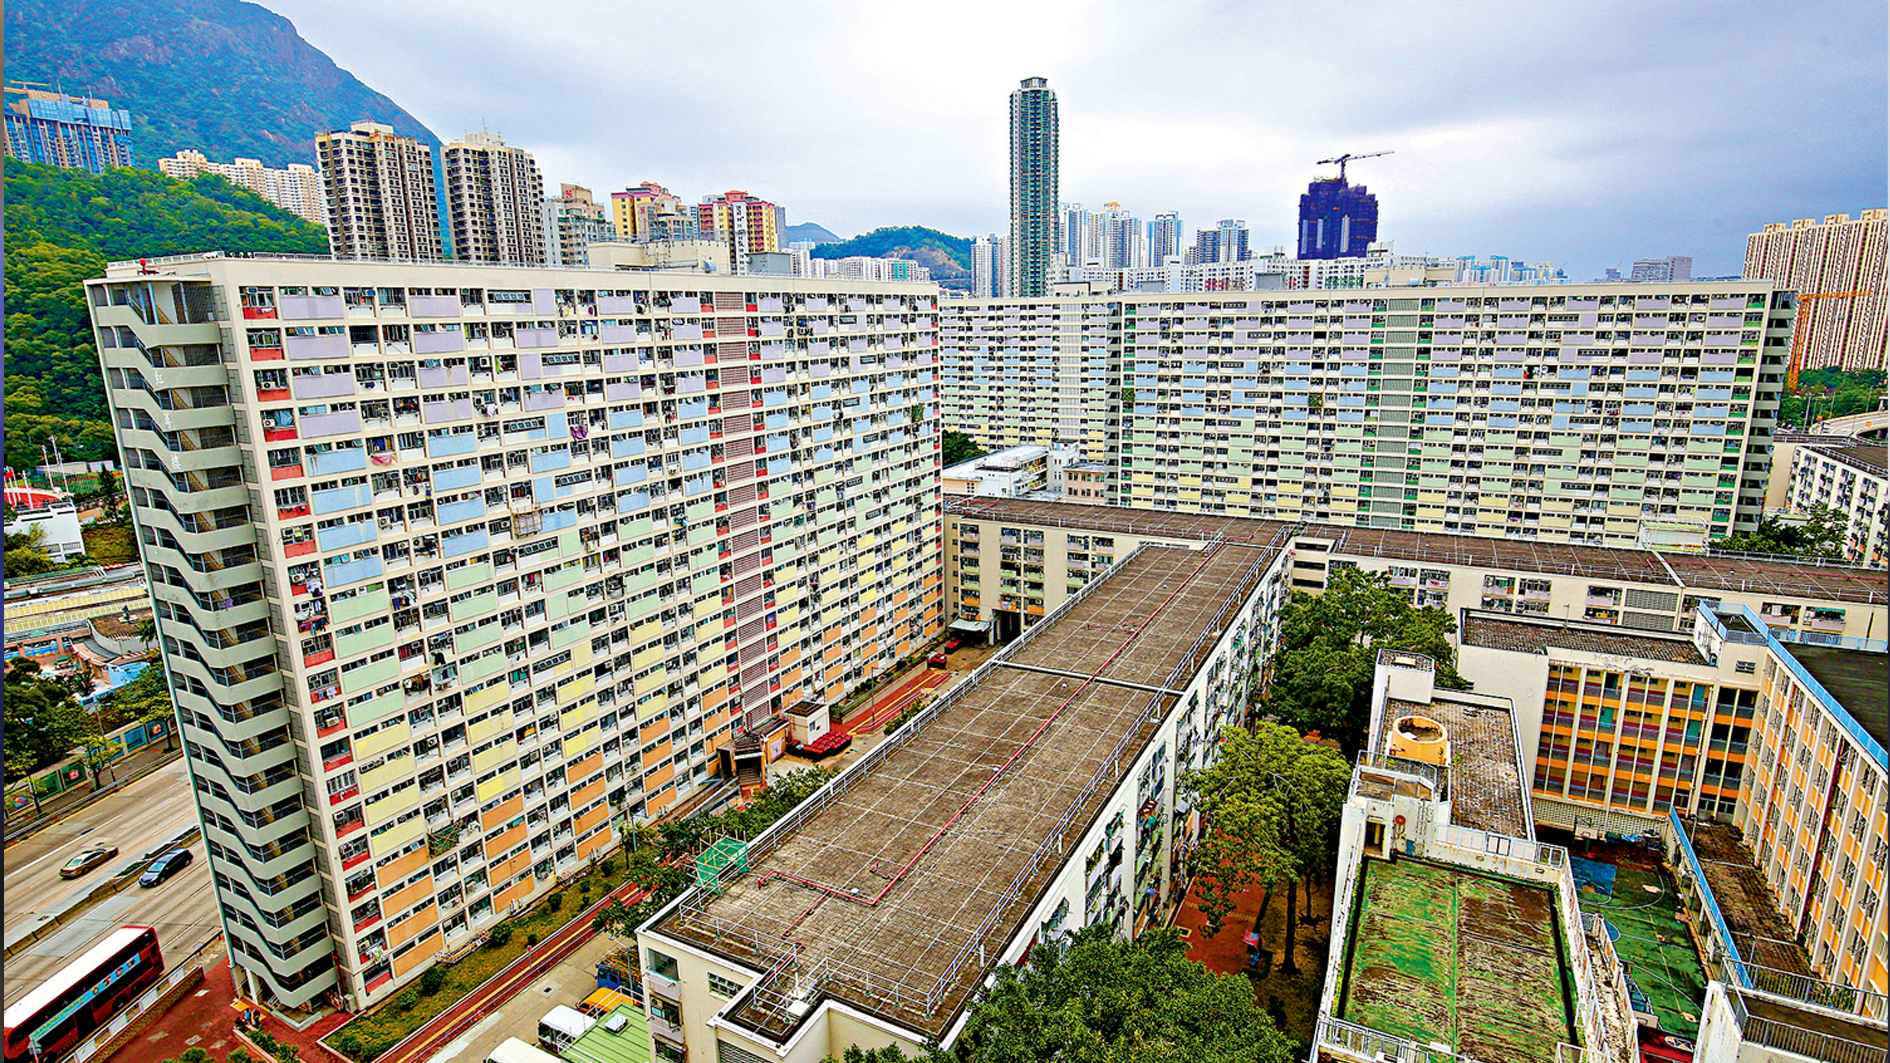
x=1226, y=242
x=1559, y=413
x=381, y=194
x=1033, y=186
x=1662, y=270
x=573, y=222
x=742, y=222
x=1337, y=220
x=987, y=267
x=495, y=195
x=1837, y=266
x=651, y=212
x=1164, y=238
x=464, y=563
x=70, y=131
x=297, y=189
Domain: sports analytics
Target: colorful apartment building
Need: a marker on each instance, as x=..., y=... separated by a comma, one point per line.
x=746, y=224
x=1816, y=805
x=455, y=566
x=1595, y=414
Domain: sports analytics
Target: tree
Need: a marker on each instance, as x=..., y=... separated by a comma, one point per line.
x=1271, y=805
x=955, y=447
x=856, y=1054
x=43, y=720
x=1822, y=535
x=1322, y=674
x=26, y=553
x=1105, y=1000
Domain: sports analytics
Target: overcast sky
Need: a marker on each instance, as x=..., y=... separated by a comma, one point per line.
x=1588, y=133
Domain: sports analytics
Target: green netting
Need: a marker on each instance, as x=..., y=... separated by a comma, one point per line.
x=1448, y=955
x=1655, y=946
x=726, y=856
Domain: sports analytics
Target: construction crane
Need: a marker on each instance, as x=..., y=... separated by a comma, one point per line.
x=1343, y=159
x=1798, y=332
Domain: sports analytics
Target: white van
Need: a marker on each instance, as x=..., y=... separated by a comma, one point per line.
x=561, y=1026
x=517, y=1051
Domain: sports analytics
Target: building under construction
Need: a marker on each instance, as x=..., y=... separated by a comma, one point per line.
x=1036, y=798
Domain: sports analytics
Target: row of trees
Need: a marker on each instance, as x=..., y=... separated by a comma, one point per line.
x=45, y=722
x=1823, y=393
x=660, y=857
x=1105, y=1000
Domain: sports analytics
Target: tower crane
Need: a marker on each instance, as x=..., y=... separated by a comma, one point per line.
x=1343, y=159
x=1798, y=331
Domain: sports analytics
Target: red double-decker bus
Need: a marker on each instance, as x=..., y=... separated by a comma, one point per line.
x=84, y=995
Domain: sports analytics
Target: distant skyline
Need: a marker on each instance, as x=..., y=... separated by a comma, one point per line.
x=1589, y=134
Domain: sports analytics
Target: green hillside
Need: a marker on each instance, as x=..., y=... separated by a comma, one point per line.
x=224, y=77
x=902, y=241
x=62, y=226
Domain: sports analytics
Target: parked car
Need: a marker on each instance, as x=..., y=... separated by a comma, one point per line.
x=937, y=660
x=87, y=859
x=164, y=867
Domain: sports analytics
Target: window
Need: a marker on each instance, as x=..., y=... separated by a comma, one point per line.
x=663, y=965
x=721, y=986
x=1745, y=667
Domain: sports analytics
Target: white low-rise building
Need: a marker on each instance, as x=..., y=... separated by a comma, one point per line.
x=1012, y=473
x=1848, y=478
x=58, y=525
x=1037, y=797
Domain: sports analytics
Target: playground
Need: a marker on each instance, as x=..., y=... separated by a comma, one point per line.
x=1635, y=896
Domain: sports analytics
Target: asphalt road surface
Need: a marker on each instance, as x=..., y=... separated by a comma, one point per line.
x=137, y=819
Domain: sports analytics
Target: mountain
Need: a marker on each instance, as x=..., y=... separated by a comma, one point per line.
x=62, y=226
x=808, y=230
x=947, y=256
x=224, y=77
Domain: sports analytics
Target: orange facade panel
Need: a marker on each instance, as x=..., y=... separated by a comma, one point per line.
x=517, y=891
x=592, y=818
x=405, y=898
x=502, y=814
x=584, y=767
x=584, y=795
x=499, y=843
x=420, y=954
x=400, y=868
x=412, y=927
x=603, y=839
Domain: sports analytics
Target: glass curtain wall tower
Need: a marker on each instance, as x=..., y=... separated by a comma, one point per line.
x=1033, y=186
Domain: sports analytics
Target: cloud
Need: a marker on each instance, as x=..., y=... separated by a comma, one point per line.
x=1589, y=133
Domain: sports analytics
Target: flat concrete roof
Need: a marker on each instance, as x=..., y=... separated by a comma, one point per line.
x=1855, y=678
x=1486, y=782
x=1782, y=577
x=1521, y=635
x=881, y=893
x=1436, y=953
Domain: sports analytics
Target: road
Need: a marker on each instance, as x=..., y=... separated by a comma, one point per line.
x=136, y=819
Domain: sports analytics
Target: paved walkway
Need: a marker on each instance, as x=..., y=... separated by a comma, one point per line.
x=202, y=1019
x=460, y=1019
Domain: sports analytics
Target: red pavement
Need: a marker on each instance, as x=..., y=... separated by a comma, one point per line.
x=894, y=702
x=202, y=1019
x=206, y=1017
